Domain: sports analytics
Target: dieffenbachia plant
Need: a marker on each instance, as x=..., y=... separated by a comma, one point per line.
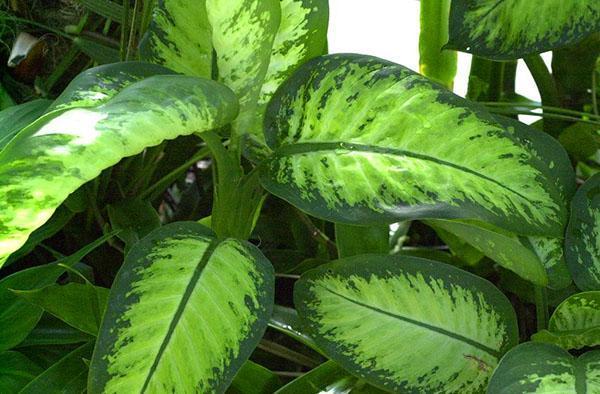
x=106, y=185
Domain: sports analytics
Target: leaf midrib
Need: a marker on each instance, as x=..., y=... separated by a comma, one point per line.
x=310, y=147
x=189, y=290
x=439, y=330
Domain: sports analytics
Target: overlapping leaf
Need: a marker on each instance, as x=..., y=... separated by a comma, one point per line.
x=185, y=312
x=400, y=137
x=383, y=317
x=510, y=29
x=582, y=245
x=46, y=162
x=546, y=369
x=575, y=323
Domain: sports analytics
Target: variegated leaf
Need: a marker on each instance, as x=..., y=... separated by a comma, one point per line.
x=546, y=369
x=15, y=118
x=383, y=317
x=185, y=312
x=510, y=29
x=46, y=162
x=400, y=138
x=582, y=245
x=575, y=323
x=180, y=38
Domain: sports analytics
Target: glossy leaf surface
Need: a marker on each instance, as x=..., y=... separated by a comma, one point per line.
x=575, y=323
x=545, y=369
x=383, y=160
x=185, y=311
x=510, y=29
x=382, y=317
x=44, y=164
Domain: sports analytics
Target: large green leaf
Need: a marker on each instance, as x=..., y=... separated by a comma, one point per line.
x=582, y=244
x=400, y=138
x=67, y=376
x=575, y=323
x=328, y=378
x=16, y=371
x=44, y=164
x=253, y=378
x=383, y=317
x=185, y=311
x=546, y=369
x=510, y=29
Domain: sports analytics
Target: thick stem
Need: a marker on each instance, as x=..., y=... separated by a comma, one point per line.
x=541, y=307
x=546, y=86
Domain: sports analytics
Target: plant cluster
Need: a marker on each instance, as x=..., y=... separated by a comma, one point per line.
x=215, y=204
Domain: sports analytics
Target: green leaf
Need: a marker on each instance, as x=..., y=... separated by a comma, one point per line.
x=286, y=320
x=545, y=369
x=383, y=317
x=180, y=38
x=582, y=243
x=355, y=240
x=106, y=8
x=136, y=218
x=43, y=165
x=575, y=323
x=253, y=378
x=16, y=371
x=13, y=119
x=17, y=316
x=510, y=29
x=328, y=378
x=79, y=305
x=53, y=331
x=382, y=162
x=68, y=375
x=183, y=301
x=99, y=52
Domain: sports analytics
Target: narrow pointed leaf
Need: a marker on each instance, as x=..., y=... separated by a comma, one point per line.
x=582, y=244
x=383, y=160
x=185, y=312
x=67, y=376
x=180, y=38
x=328, y=378
x=510, y=29
x=575, y=323
x=382, y=317
x=546, y=369
x=42, y=166
x=16, y=371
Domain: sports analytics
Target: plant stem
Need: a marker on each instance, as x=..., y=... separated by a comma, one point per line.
x=545, y=115
x=546, y=86
x=317, y=234
x=541, y=307
x=557, y=110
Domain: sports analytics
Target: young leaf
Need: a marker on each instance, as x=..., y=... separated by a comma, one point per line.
x=382, y=317
x=328, y=378
x=575, y=323
x=16, y=371
x=68, y=375
x=510, y=29
x=582, y=243
x=543, y=368
x=43, y=165
x=383, y=160
x=79, y=305
x=186, y=302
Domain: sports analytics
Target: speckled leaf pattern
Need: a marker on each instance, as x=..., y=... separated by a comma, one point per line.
x=546, y=369
x=582, y=245
x=42, y=165
x=383, y=317
x=384, y=159
x=243, y=35
x=575, y=323
x=185, y=311
x=180, y=38
x=510, y=29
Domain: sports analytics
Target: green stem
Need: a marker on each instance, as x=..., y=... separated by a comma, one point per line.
x=546, y=86
x=134, y=21
x=124, y=30
x=557, y=110
x=544, y=115
x=541, y=307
